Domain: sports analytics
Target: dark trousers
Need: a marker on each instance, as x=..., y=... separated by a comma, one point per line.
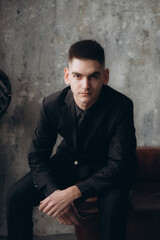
x=113, y=208
x=23, y=196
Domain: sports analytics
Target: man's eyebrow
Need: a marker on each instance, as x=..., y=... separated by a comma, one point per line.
x=77, y=73
x=94, y=73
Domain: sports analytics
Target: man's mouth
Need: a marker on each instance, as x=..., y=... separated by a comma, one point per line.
x=85, y=93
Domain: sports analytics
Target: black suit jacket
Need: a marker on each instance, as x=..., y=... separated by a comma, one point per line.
x=108, y=157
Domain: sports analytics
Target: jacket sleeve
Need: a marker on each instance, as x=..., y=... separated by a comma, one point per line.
x=42, y=144
x=121, y=165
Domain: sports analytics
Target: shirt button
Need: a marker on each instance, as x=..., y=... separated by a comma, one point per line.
x=76, y=162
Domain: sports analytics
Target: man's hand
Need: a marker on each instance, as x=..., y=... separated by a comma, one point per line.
x=68, y=217
x=59, y=200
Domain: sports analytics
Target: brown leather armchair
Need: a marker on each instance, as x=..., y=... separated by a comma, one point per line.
x=143, y=222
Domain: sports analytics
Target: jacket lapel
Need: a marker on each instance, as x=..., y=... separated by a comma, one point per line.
x=69, y=115
x=103, y=109
x=96, y=122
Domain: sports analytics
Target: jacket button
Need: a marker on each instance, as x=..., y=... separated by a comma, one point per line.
x=35, y=184
x=76, y=162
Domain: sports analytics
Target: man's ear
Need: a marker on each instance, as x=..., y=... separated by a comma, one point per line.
x=106, y=76
x=66, y=76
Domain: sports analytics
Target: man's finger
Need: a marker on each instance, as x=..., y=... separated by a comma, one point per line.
x=49, y=208
x=44, y=204
x=74, y=220
x=66, y=218
x=61, y=220
x=57, y=212
x=73, y=217
x=53, y=212
x=69, y=217
x=74, y=209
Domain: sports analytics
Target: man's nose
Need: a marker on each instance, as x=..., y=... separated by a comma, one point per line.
x=85, y=83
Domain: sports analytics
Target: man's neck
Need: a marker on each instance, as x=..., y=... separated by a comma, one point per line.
x=85, y=106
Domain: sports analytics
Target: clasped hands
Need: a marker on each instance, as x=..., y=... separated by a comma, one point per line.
x=60, y=205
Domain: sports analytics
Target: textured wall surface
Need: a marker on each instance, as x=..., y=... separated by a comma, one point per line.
x=34, y=40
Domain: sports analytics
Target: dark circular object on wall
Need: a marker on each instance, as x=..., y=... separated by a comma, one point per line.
x=5, y=93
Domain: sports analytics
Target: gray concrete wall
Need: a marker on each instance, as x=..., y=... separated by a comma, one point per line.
x=34, y=39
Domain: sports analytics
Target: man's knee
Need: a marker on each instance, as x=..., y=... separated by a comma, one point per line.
x=19, y=191
x=14, y=195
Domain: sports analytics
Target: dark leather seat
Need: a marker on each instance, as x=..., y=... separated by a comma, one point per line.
x=143, y=221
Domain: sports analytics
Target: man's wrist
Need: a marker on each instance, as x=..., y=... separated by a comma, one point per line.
x=75, y=192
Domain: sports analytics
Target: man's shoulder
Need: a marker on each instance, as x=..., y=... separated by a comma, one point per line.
x=115, y=96
x=57, y=98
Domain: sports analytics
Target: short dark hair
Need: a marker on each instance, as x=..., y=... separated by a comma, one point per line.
x=87, y=49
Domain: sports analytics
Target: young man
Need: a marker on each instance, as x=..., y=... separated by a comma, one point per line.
x=96, y=156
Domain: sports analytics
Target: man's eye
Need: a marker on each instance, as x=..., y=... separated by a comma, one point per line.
x=94, y=76
x=78, y=76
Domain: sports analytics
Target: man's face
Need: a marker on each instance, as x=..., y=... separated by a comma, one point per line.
x=86, y=78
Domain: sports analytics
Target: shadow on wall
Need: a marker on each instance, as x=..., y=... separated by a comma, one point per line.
x=5, y=93
x=5, y=99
